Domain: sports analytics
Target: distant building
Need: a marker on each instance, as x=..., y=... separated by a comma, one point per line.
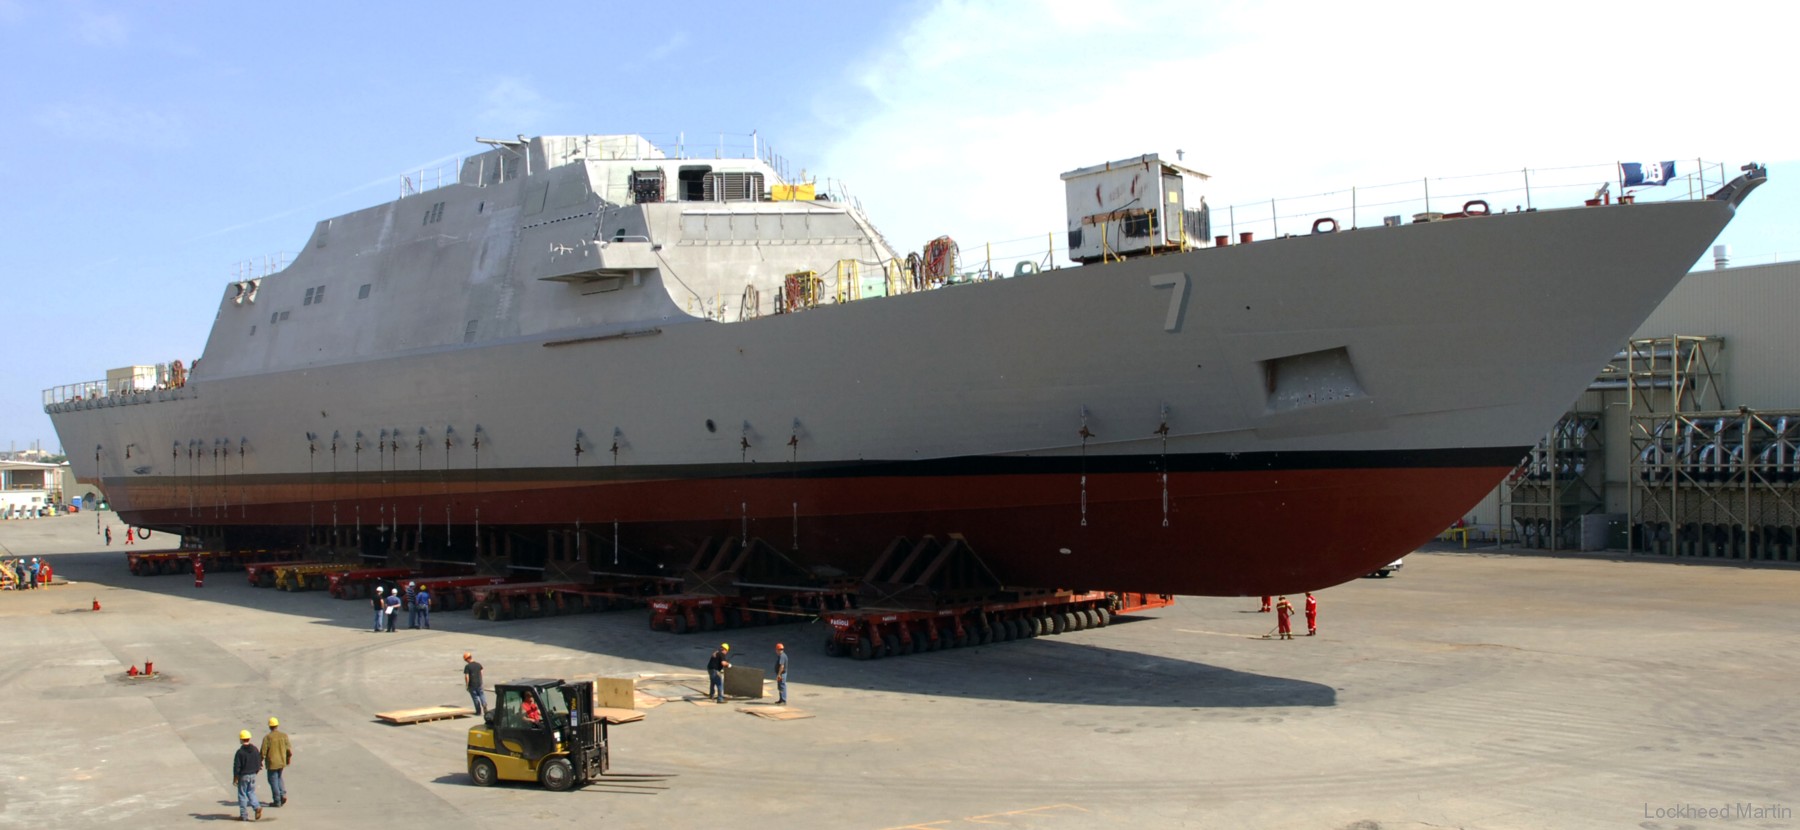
x=1686, y=444
x=28, y=487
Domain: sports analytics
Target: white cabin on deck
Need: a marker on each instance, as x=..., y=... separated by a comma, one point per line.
x=1133, y=206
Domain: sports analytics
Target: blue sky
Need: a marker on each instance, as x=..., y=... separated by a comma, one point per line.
x=150, y=147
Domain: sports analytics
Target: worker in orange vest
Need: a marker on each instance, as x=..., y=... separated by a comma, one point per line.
x=1312, y=614
x=1284, y=610
x=1265, y=608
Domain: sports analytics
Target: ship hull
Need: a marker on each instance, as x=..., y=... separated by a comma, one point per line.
x=1239, y=526
x=1385, y=379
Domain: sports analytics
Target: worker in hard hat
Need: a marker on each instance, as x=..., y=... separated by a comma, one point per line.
x=472, y=681
x=277, y=754
x=244, y=767
x=392, y=606
x=1284, y=610
x=715, y=672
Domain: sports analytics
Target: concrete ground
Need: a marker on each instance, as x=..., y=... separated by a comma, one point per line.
x=1475, y=691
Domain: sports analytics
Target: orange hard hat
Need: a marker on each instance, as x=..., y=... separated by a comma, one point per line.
x=468, y=656
x=780, y=647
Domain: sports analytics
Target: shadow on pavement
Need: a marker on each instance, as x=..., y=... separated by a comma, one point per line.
x=1073, y=668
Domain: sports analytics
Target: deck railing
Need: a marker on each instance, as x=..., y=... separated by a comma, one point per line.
x=1369, y=206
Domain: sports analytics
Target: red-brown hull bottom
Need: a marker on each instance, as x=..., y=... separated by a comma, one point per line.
x=1222, y=533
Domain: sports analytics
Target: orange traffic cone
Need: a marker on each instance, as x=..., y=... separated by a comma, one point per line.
x=96, y=603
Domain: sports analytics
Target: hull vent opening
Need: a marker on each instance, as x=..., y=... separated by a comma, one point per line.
x=1312, y=379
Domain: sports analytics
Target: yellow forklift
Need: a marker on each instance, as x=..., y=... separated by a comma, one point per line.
x=540, y=730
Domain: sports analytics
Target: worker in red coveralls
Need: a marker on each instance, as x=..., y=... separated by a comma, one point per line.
x=1265, y=608
x=1312, y=614
x=199, y=571
x=1284, y=610
x=128, y=536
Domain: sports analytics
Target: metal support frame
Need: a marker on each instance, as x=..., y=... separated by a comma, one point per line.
x=1561, y=480
x=1706, y=479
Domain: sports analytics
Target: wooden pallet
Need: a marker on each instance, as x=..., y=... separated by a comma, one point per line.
x=428, y=713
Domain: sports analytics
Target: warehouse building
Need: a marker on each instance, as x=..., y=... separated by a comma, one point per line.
x=1685, y=444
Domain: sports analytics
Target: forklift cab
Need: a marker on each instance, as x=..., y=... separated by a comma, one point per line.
x=539, y=730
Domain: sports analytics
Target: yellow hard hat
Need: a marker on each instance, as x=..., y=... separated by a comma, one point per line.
x=274, y=721
x=243, y=734
x=725, y=646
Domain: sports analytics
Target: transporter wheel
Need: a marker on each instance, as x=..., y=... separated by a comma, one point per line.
x=678, y=624
x=1074, y=621
x=557, y=774
x=981, y=636
x=864, y=649
x=1105, y=615
x=832, y=647
x=482, y=772
x=704, y=620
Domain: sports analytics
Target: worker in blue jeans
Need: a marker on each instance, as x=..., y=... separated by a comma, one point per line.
x=472, y=682
x=244, y=767
x=715, y=672
x=422, y=608
x=380, y=607
x=780, y=674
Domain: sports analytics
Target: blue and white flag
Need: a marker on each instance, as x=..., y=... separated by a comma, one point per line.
x=1647, y=174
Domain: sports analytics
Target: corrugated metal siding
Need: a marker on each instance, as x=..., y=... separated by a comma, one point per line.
x=1757, y=310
